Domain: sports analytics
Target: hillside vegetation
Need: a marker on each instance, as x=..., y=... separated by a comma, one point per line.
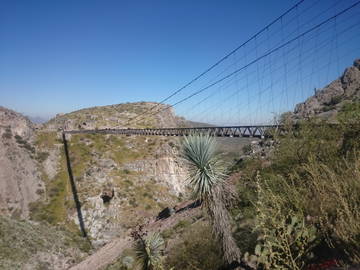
x=24, y=245
x=304, y=201
x=118, y=116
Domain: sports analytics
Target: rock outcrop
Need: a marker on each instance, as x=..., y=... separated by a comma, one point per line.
x=20, y=182
x=329, y=100
x=143, y=174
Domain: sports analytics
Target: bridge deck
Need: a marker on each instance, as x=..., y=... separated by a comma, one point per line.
x=223, y=131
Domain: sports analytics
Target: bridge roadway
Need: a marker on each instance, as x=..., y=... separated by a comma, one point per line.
x=222, y=131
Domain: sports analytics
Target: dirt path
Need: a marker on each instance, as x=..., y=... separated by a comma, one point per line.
x=113, y=250
x=105, y=255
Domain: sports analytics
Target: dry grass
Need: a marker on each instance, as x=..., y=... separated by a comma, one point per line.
x=337, y=199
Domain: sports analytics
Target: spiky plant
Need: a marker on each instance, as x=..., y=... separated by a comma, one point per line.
x=205, y=169
x=207, y=179
x=148, y=252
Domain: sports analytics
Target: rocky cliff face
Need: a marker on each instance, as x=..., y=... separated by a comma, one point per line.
x=329, y=100
x=20, y=182
x=139, y=176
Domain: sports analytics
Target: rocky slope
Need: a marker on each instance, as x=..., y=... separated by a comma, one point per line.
x=329, y=100
x=20, y=182
x=121, y=180
x=25, y=245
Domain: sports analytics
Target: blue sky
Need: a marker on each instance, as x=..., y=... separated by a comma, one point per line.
x=60, y=56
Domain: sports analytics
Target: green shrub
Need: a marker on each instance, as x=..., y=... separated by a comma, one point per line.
x=197, y=250
x=7, y=134
x=247, y=149
x=286, y=241
x=327, y=108
x=334, y=100
x=42, y=156
x=24, y=144
x=349, y=118
x=177, y=229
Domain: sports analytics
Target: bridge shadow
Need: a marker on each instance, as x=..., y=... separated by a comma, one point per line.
x=73, y=188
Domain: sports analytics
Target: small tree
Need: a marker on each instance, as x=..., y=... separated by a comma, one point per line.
x=207, y=179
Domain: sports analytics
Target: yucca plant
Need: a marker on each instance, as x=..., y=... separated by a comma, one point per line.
x=148, y=252
x=205, y=169
x=207, y=179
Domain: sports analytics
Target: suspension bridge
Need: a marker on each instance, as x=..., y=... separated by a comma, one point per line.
x=302, y=50
x=288, y=60
x=230, y=131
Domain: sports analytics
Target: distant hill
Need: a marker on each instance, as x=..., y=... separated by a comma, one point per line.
x=38, y=119
x=126, y=115
x=196, y=124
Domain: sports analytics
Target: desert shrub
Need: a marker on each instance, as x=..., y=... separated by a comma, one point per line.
x=337, y=200
x=334, y=100
x=309, y=138
x=24, y=144
x=349, y=118
x=182, y=224
x=197, y=250
x=285, y=240
x=327, y=108
x=247, y=149
x=323, y=197
x=133, y=202
x=7, y=134
x=312, y=180
x=171, y=144
x=177, y=229
x=42, y=156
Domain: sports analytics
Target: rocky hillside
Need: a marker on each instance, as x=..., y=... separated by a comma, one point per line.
x=20, y=181
x=25, y=245
x=121, y=180
x=117, y=116
x=329, y=100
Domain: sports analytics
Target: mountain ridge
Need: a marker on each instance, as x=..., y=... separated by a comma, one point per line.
x=329, y=100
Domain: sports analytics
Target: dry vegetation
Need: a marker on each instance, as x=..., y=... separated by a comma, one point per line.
x=296, y=209
x=304, y=202
x=38, y=246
